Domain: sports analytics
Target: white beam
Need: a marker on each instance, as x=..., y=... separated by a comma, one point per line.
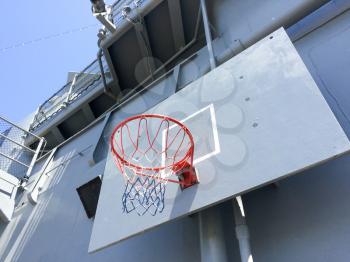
x=242, y=231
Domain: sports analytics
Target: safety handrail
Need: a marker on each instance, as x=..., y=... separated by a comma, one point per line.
x=89, y=77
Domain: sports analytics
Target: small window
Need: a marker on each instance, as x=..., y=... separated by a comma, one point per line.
x=88, y=194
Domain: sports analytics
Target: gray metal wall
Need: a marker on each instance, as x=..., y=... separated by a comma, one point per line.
x=305, y=218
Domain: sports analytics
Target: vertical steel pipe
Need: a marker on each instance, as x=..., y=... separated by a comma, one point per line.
x=208, y=35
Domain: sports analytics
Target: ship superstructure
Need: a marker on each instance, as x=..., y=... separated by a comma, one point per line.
x=52, y=165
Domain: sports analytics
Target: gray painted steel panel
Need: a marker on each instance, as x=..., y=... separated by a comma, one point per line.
x=272, y=122
x=307, y=217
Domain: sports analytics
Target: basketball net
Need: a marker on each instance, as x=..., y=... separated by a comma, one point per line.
x=150, y=151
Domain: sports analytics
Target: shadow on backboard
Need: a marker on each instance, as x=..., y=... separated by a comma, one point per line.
x=183, y=201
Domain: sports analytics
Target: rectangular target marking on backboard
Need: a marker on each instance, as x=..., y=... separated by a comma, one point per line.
x=206, y=140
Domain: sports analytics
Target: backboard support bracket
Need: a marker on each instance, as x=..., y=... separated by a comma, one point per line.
x=187, y=177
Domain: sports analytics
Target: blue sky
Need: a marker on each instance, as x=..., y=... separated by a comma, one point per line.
x=31, y=73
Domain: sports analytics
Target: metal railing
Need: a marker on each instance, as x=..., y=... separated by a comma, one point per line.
x=118, y=7
x=16, y=156
x=81, y=84
x=84, y=81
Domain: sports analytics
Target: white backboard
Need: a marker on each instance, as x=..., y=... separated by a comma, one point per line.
x=256, y=119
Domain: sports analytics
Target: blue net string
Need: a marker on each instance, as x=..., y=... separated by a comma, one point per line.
x=144, y=195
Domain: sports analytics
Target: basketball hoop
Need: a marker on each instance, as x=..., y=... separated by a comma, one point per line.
x=150, y=151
